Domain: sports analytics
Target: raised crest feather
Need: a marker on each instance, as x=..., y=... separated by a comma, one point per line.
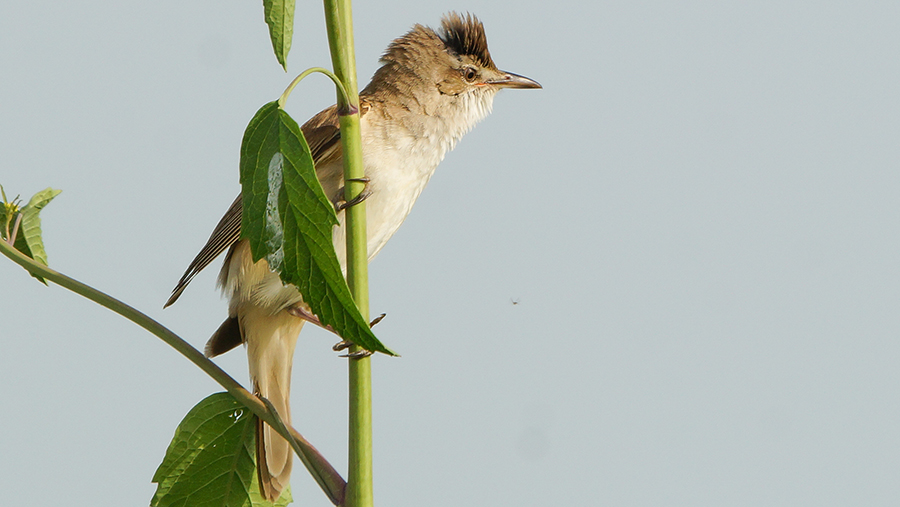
x=465, y=36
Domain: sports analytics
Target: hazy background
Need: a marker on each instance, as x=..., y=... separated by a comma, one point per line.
x=697, y=216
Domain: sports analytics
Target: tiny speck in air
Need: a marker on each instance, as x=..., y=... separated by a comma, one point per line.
x=514, y=301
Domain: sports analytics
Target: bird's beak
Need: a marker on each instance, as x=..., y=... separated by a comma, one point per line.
x=510, y=80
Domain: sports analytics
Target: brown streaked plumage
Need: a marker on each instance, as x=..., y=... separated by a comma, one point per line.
x=432, y=88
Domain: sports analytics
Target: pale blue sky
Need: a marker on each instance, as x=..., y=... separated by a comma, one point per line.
x=698, y=215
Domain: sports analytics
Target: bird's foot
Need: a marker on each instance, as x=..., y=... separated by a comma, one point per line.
x=362, y=196
x=346, y=344
x=359, y=354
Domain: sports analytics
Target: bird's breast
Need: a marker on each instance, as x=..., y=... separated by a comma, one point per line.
x=400, y=154
x=398, y=166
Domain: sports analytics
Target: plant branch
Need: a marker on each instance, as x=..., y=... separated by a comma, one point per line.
x=325, y=475
x=344, y=99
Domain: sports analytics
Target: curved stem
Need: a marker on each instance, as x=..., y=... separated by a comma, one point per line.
x=328, y=478
x=343, y=98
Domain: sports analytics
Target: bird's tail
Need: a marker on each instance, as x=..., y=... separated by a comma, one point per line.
x=270, y=343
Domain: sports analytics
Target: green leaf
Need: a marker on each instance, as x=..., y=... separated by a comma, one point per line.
x=28, y=239
x=211, y=460
x=280, y=18
x=4, y=222
x=289, y=221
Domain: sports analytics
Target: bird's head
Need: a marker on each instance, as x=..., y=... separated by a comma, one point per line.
x=450, y=62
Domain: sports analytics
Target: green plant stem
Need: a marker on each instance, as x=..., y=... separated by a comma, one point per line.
x=359, y=474
x=337, y=82
x=325, y=475
x=339, y=24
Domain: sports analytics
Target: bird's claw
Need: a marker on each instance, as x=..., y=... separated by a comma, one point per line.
x=359, y=354
x=342, y=345
x=346, y=344
x=377, y=319
x=362, y=196
x=342, y=205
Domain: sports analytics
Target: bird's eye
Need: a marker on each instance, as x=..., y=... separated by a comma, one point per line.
x=470, y=74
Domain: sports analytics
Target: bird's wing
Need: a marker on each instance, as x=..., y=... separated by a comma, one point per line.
x=323, y=134
x=227, y=231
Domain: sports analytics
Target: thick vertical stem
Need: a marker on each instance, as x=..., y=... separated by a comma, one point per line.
x=339, y=22
x=359, y=475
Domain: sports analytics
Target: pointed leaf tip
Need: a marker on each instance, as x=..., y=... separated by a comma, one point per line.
x=280, y=18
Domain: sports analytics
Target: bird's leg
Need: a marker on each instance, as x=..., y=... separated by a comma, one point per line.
x=303, y=313
x=300, y=312
x=342, y=204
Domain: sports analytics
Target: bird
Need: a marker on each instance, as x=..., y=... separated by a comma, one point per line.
x=432, y=87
